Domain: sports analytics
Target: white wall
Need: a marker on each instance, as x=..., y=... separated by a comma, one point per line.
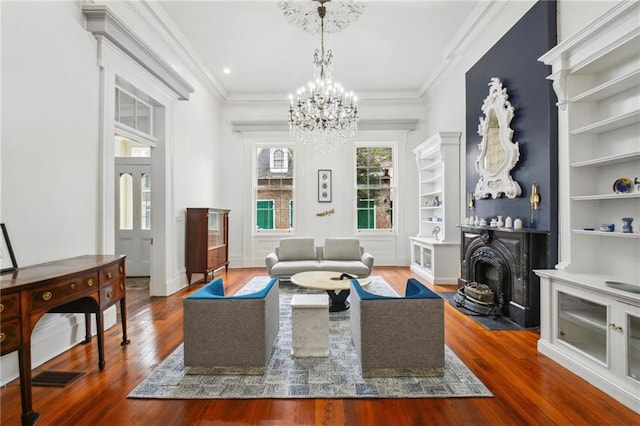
x=51, y=154
x=249, y=250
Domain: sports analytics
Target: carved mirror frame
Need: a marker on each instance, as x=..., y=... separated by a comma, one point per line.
x=498, y=153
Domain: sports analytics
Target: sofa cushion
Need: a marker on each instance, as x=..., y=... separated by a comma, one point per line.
x=297, y=249
x=342, y=249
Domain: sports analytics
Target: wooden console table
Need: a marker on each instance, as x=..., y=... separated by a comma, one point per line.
x=85, y=284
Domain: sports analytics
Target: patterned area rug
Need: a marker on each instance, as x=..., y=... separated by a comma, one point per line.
x=337, y=376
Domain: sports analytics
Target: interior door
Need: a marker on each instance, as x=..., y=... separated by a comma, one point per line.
x=133, y=213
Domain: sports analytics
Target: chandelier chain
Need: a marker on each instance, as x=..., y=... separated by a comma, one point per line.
x=323, y=116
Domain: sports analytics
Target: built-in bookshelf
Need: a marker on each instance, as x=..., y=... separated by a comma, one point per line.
x=435, y=250
x=590, y=304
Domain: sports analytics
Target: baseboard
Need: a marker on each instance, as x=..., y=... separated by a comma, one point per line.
x=600, y=381
x=53, y=335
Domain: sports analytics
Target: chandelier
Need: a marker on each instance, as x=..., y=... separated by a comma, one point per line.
x=322, y=114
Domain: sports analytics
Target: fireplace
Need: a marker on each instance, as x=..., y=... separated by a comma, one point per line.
x=503, y=260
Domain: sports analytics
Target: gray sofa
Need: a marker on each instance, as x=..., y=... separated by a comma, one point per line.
x=299, y=254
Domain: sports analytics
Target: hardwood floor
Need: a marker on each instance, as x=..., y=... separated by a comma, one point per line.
x=528, y=388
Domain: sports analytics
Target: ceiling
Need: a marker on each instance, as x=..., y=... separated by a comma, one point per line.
x=393, y=50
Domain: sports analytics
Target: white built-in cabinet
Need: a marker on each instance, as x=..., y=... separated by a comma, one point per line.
x=435, y=251
x=590, y=310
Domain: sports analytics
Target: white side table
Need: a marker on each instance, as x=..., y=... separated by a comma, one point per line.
x=309, y=325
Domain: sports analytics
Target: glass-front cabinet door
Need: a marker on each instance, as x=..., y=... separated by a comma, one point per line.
x=215, y=230
x=582, y=324
x=633, y=347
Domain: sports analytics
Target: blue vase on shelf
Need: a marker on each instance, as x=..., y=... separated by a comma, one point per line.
x=626, y=225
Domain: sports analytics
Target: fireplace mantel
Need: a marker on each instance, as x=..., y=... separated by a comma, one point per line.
x=515, y=254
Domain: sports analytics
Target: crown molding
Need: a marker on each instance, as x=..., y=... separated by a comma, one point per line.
x=102, y=22
x=406, y=124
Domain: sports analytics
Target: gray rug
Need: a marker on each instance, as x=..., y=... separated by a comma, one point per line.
x=337, y=376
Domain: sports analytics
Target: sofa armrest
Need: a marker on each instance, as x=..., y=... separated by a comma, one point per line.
x=270, y=260
x=367, y=259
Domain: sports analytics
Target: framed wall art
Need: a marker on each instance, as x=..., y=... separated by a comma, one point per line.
x=7, y=258
x=324, y=186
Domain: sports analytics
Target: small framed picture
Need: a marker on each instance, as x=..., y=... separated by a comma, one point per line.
x=324, y=186
x=6, y=252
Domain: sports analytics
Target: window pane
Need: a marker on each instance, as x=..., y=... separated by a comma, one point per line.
x=127, y=109
x=374, y=187
x=274, y=187
x=126, y=201
x=143, y=117
x=145, y=220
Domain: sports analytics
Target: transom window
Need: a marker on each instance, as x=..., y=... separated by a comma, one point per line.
x=274, y=188
x=374, y=187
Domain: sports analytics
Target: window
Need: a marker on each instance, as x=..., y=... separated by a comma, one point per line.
x=274, y=188
x=374, y=187
x=133, y=112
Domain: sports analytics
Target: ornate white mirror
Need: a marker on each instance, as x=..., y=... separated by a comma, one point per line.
x=498, y=153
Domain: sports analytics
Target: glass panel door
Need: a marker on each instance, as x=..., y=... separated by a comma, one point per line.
x=583, y=325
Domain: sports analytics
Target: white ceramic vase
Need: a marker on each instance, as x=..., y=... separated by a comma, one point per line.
x=508, y=222
x=500, y=222
x=517, y=224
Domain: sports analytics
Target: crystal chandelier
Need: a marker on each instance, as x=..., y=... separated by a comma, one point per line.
x=322, y=114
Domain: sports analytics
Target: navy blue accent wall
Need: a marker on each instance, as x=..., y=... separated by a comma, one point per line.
x=514, y=60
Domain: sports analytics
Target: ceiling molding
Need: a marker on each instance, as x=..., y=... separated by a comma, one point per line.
x=406, y=124
x=101, y=21
x=479, y=19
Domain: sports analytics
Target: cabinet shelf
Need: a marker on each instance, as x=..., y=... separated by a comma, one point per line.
x=586, y=319
x=431, y=208
x=606, y=234
x=609, y=88
x=605, y=196
x=609, y=124
x=432, y=193
x=608, y=160
x=435, y=178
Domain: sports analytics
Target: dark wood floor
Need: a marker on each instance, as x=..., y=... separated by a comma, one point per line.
x=529, y=388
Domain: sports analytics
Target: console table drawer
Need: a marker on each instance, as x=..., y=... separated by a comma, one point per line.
x=57, y=292
x=9, y=335
x=9, y=306
x=113, y=273
x=111, y=293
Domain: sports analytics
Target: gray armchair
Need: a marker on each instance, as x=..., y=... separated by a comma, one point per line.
x=230, y=331
x=395, y=334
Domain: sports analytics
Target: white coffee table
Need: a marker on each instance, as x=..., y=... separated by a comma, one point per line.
x=329, y=281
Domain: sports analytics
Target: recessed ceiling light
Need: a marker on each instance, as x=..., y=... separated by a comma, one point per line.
x=226, y=70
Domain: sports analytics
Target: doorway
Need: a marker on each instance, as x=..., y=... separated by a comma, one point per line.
x=133, y=185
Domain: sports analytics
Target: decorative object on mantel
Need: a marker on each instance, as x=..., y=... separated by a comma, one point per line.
x=636, y=181
x=622, y=185
x=498, y=153
x=500, y=222
x=626, y=225
x=508, y=222
x=326, y=213
x=323, y=115
x=517, y=224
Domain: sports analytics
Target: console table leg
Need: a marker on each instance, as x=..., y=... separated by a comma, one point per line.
x=87, y=327
x=123, y=319
x=100, y=335
x=29, y=417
